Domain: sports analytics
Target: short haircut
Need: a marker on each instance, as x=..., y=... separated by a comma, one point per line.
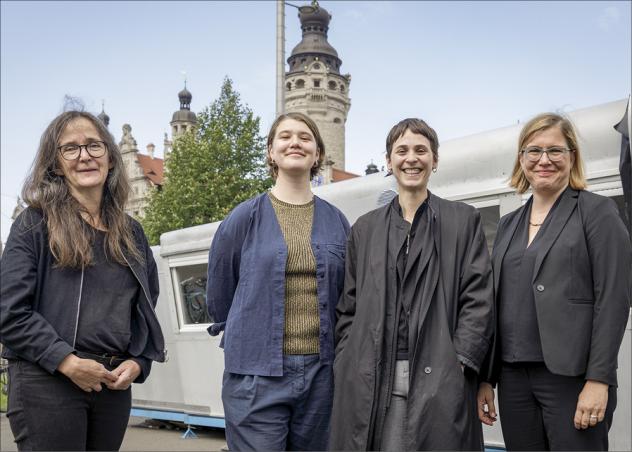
x=311, y=125
x=417, y=126
x=545, y=121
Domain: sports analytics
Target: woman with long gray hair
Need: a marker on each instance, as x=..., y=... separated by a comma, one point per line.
x=79, y=286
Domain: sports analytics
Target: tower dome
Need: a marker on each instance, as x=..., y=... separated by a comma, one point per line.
x=314, y=45
x=185, y=97
x=103, y=117
x=183, y=119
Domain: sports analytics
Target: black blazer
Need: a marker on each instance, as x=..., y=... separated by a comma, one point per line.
x=581, y=285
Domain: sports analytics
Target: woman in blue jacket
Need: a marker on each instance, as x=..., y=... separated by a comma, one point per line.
x=276, y=270
x=79, y=285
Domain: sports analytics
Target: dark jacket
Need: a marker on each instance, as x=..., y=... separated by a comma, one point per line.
x=245, y=289
x=452, y=325
x=581, y=283
x=39, y=305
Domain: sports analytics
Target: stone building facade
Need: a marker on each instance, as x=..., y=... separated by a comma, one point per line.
x=314, y=85
x=145, y=171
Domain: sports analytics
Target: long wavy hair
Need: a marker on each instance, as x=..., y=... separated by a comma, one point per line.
x=70, y=238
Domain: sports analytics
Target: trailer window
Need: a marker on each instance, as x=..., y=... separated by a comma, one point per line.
x=190, y=284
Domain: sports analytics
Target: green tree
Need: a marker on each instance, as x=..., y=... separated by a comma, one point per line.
x=210, y=169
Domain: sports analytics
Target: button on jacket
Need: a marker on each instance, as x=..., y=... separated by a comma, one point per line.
x=245, y=290
x=581, y=286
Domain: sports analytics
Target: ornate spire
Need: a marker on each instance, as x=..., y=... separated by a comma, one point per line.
x=314, y=45
x=105, y=119
x=183, y=119
x=185, y=97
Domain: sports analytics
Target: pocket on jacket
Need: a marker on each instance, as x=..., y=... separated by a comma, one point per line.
x=337, y=250
x=589, y=302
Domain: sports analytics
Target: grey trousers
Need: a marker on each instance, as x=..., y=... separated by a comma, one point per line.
x=395, y=423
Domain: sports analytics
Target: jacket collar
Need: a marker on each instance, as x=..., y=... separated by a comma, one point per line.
x=566, y=205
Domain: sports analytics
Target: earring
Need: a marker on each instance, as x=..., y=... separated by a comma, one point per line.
x=434, y=170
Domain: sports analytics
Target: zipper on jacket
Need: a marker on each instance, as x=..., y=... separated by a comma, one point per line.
x=74, y=339
x=407, y=242
x=151, y=308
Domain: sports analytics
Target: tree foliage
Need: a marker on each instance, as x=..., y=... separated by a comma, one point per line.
x=210, y=169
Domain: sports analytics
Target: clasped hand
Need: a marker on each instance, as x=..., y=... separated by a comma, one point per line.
x=90, y=375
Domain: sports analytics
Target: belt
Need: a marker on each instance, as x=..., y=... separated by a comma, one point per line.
x=103, y=358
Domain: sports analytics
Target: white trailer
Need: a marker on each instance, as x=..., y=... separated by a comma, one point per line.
x=472, y=169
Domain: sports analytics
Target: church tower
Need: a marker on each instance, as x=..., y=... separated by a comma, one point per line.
x=314, y=85
x=183, y=119
x=103, y=116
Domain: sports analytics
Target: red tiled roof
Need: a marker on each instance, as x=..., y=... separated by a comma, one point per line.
x=152, y=168
x=340, y=175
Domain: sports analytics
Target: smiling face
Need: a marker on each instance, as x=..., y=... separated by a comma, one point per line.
x=86, y=175
x=411, y=161
x=546, y=176
x=293, y=150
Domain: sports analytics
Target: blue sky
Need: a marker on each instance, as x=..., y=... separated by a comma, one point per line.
x=465, y=67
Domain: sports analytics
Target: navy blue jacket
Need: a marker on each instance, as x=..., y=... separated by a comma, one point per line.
x=40, y=302
x=245, y=290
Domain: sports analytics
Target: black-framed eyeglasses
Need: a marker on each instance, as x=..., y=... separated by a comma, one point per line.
x=94, y=149
x=555, y=153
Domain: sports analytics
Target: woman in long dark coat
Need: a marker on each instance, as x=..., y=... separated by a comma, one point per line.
x=415, y=317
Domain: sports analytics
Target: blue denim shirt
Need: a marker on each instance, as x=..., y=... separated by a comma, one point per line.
x=245, y=291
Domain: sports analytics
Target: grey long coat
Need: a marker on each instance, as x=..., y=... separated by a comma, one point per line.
x=452, y=324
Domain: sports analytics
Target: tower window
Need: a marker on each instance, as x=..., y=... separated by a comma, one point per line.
x=288, y=86
x=332, y=85
x=337, y=121
x=342, y=88
x=317, y=66
x=300, y=83
x=316, y=83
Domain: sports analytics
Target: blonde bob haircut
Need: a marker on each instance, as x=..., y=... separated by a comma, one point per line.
x=545, y=121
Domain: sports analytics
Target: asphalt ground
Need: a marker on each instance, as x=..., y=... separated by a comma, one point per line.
x=146, y=435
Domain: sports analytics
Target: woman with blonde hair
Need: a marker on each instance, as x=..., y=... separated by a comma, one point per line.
x=79, y=286
x=562, y=266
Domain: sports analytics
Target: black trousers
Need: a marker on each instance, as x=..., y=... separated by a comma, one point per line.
x=49, y=412
x=537, y=409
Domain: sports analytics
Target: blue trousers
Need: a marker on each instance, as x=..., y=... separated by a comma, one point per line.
x=280, y=413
